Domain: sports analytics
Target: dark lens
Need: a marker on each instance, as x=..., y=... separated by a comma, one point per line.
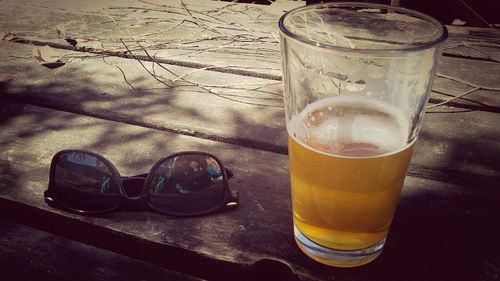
x=83, y=182
x=187, y=184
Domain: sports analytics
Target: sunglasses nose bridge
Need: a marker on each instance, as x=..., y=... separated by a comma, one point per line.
x=133, y=187
x=135, y=203
x=134, y=198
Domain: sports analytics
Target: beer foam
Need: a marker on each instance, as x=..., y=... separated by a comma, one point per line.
x=345, y=123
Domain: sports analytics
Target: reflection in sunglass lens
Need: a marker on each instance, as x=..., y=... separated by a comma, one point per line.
x=187, y=184
x=84, y=182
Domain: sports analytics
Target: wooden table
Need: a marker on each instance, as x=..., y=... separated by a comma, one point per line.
x=135, y=80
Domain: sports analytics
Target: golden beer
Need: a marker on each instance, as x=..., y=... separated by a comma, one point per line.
x=348, y=161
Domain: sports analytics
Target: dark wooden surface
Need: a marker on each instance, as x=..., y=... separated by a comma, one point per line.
x=30, y=254
x=224, y=95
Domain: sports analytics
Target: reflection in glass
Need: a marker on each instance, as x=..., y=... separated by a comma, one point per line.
x=84, y=182
x=187, y=183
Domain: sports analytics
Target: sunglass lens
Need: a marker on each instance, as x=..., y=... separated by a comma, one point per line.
x=187, y=184
x=83, y=182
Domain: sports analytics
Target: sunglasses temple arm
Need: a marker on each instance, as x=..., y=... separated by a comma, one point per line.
x=229, y=173
x=232, y=199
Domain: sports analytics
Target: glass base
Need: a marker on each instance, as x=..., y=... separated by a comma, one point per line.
x=336, y=257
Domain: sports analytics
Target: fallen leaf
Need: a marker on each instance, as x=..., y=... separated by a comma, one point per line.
x=7, y=77
x=53, y=65
x=140, y=23
x=45, y=54
x=458, y=22
x=9, y=36
x=71, y=41
x=60, y=30
x=357, y=86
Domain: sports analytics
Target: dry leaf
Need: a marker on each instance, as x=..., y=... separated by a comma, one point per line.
x=45, y=54
x=8, y=36
x=7, y=77
x=140, y=23
x=60, y=30
x=53, y=65
x=458, y=22
x=71, y=41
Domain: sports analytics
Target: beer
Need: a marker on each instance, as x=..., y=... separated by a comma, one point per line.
x=348, y=160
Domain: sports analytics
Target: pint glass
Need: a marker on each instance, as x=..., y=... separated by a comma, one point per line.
x=356, y=80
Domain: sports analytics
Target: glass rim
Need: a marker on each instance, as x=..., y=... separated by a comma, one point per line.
x=286, y=32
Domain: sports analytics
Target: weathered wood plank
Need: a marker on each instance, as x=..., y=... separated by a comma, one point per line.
x=481, y=73
x=457, y=75
x=235, y=36
x=29, y=254
x=221, y=237
x=102, y=32
x=225, y=106
x=239, y=114
x=433, y=217
x=473, y=42
x=232, y=36
x=482, y=100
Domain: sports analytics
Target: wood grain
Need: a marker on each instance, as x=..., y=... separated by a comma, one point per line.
x=240, y=242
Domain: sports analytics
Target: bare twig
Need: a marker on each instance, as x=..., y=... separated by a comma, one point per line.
x=147, y=53
x=202, y=24
x=207, y=88
x=475, y=87
x=472, y=46
x=163, y=30
x=234, y=38
x=124, y=76
x=191, y=72
x=482, y=53
x=145, y=68
x=468, y=44
x=453, y=98
x=121, y=70
x=475, y=13
x=467, y=83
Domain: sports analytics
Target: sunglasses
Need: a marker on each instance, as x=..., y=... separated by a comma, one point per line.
x=183, y=184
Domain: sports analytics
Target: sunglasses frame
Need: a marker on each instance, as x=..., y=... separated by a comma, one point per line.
x=231, y=197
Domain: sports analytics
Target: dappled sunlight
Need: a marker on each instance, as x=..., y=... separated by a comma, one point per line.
x=133, y=150
x=137, y=80
x=464, y=158
x=247, y=107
